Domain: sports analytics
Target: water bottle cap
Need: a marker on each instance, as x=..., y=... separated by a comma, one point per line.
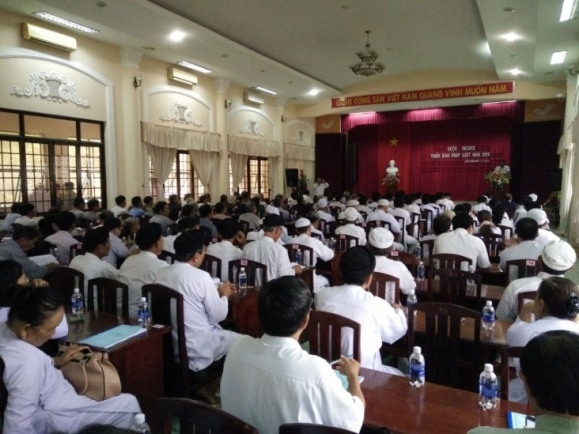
x=412, y=292
x=421, y=263
x=143, y=299
x=489, y=303
x=76, y=290
x=418, y=350
x=242, y=269
x=488, y=367
x=140, y=418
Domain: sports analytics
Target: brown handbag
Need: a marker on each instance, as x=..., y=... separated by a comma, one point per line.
x=91, y=373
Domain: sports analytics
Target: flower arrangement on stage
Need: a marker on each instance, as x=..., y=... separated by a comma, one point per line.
x=498, y=180
x=303, y=182
x=391, y=180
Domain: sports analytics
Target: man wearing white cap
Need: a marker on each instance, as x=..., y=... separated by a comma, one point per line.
x=399, y=211
x=381, y=214
x=323, y=211
x=556, y=258
x=540, y=216
x=352, y=203
x=351, y=215
x=380, y=242
x=304, y=238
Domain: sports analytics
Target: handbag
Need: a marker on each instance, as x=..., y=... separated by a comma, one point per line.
x=91, y=373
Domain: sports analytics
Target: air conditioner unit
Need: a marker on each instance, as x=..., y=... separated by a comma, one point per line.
x=48, y=37
x=252, y=98
x=181, y=76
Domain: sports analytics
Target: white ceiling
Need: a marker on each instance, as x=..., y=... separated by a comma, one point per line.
x=297, y=45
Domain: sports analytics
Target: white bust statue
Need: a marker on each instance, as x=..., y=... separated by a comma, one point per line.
x=392, y=170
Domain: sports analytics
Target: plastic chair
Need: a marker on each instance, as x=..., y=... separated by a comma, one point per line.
x=325, y=335
x=256, y=271
x=442, y=346
x=197, y=417
x=106, y=292
x=385, y=286
x=310, y=428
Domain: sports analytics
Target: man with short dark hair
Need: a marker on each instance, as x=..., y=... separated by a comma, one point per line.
x=78, y=205
x=96, y=245
x=228, y=249
x=11, y=216
x=251, y=216
x=526, y=246
x=271, y=381
x=379, y=320
x=63, y=239
x=141, y=269
x=120, y=207
x=27, y=214
x=174, y=206
x=204, y=305
x=183, y=225
x=162, y=216
x=461, y=242
x=23, y=241
x=206, y=214
x=93, y=207
x=136, y=209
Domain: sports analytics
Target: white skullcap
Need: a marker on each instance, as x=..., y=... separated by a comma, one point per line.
x=534, y=197
x=538, y=215
x=302, y=223
x=383, y=202
x=381, y=238
x=352, y=203
x=252, y=236
x=351, y=214
x=322, y=203
x=558, y=255
x=273, y=210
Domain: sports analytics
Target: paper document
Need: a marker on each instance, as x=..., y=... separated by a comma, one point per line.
x=114, y=336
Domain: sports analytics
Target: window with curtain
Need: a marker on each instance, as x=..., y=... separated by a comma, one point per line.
x=49, y=160
x=181, y=180
x=255, y=178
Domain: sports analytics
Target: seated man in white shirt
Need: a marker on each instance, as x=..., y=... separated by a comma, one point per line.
x=304, y=238
x=228, y=249
x=28, y=212
x=141, y=269
x=556, y=259
x=63, y=239
x=271, y=381
x=379, y=320
x=121, y=206
x=324, y=211
x=380, y=242
x=96, y=245
x=266, y=250
x=204, y=305
x=461, y=242
x=352, y=203
x=545, y=236
x=185, y=224
x=251, y=217
x=118, y=251
x=11, y=216
x=481, y=204
x=351, y=215
x=398, y=211
x=523, y=245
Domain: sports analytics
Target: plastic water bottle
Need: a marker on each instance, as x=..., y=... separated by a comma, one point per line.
x=471, y=284
x=421, y=271
x=140, y=425
x=488, y=388
x=411, y=299
x=77, y=303
x=242, y=282
x=144, y=313
x=418, y=252
x=332, y=243
x=299, y=257
x=488, y=316
x=416, y=368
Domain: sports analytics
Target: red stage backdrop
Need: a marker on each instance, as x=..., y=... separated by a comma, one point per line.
x=433, y=156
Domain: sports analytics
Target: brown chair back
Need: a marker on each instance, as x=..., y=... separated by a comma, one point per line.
x=451, y=286
x=385, y=286
x=316, y=236
x=494, y=244
x=506, y=354
x=325, y=333
x=74, y=250
x=428, y=216
x=442, y=346
x=64, y=280
x=256, y=271
x=507, y=231
x=417, y=230
x=308, y=259
x=427, y=247
x=212, y=265
x=402, y=222
x=523, y=268
x=3, y=391
x=244, y=226
x=197, y=417
x=448, y=260
x=310, y=428
x=344, y=242
x=167, y=257
x=328, y=228
x=523, y=297
x=106, y=292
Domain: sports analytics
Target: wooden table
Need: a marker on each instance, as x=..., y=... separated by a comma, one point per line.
x=243, y=312
x=138, y=360
x=488, y=292
x=392, y=403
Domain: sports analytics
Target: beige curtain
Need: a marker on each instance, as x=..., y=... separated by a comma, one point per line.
x=162, y=160
x=238, y=165
x=203, y=165
x=567, y=158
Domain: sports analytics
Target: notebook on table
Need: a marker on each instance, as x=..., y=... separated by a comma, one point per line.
x=109, y=338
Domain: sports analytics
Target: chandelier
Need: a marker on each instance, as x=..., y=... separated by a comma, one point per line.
x=366, y=66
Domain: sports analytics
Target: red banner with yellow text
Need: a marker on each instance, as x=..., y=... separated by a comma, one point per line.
x=486, y=89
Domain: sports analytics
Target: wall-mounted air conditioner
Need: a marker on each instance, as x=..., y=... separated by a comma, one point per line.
x=181, y=76
x=252, y=98
x=48, y=37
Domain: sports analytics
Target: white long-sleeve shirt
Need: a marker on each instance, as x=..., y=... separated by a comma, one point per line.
x=227, y=252
x=274, y=256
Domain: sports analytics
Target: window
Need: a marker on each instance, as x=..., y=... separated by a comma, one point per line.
x=49, y=161
x=255, y=179
x=181, y=180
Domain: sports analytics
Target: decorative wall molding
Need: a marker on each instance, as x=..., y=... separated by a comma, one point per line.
x=252, y=128
x=52, y=87
x=181, y=113
x=300, y=133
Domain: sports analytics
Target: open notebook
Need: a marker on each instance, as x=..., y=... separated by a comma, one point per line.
x=114, y=336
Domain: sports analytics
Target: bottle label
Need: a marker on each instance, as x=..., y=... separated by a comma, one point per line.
x=417, y=370
x=489, y=317
x=488, y=391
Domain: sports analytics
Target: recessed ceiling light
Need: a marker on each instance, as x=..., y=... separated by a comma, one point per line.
x=567, y=10
x=101, y=4
x=514, y=56
x=194, y=67
x=64, y=22
x=509, y=9
x=515, y=71
x=225, y=55
x=314, y=92
x=511, y=37
x=177, y=36
x=263, y=89
x=148, y=48
x=558, y=57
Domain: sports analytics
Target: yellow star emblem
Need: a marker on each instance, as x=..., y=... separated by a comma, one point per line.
x=394, y=142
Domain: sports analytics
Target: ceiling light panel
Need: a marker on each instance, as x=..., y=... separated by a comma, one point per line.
x=568, y=9
x=263, y=89
x=64, y=22
x=177, y=36
x=194, y=67
x=558, y=57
